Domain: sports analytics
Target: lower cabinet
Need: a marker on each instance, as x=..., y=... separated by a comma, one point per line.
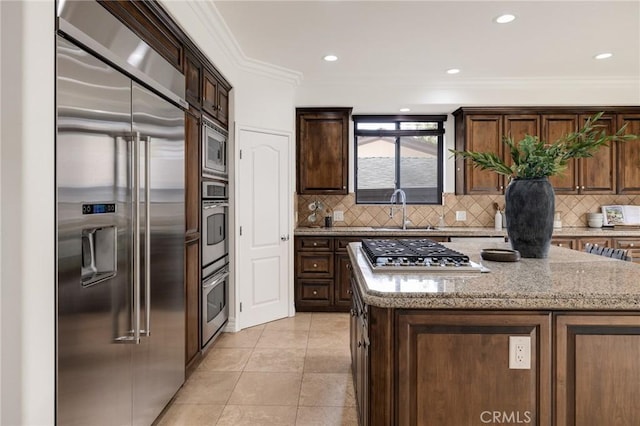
x=192, y=299
x=449, y=367
x=632, y=245
x=597, y=370
x=454, y=368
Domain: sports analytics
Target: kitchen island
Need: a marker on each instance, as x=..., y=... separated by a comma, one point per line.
x=551, y=341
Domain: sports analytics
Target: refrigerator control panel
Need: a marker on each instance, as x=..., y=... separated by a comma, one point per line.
x=98, y=208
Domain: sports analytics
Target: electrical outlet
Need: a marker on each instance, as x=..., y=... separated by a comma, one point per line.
x=461, y=215
x=520, y=352
x=338, y=216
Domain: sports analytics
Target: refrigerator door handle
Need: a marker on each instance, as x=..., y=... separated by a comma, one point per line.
x=134, y=335
x=147, y=237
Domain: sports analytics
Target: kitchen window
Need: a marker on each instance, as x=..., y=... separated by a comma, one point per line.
x=394, y=152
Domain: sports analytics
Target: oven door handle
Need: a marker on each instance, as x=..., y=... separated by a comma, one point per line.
x=213, y=206
x=216, y=279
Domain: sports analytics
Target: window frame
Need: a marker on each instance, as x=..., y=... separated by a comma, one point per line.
x=398, y=135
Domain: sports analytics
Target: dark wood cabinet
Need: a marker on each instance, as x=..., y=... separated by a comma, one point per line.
x=597, y=370
x=565, y=242
x=360, y=357
x=215, y=97
x=192, y=172
x=193, y=77
x=478, y=132
x=597, y=174
x=628, y=171
x=614, y=168
x=315, y=274
x=206, y=89
x=632, y=245
x=447, y=362
x=555, y=126
x=322, y=146
x=192, y=299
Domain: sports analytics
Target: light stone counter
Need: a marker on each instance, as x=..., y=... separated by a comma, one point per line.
x=457, y=231
x=566, y=280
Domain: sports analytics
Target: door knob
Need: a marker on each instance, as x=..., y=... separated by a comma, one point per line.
x=284, y=237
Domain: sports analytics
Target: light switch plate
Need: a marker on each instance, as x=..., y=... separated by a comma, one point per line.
x=338, y=216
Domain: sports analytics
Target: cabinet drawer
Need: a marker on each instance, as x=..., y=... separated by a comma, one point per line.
x=314, y=265
x=597, y=241
x=314, y=244
x=631, y=245
x=564, y=242
x=342, y=243
x=314, y=291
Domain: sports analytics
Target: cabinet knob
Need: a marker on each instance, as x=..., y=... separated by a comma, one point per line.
x=582, y=187
x=315, y=265
x=315, y=292
x=559, y=244
x=501, y=187
x=577, y=187
x=353, y=312
x=348, y=266
x=631, y=245
x=315, y=244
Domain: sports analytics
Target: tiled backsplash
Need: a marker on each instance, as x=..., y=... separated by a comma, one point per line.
x=479, y=208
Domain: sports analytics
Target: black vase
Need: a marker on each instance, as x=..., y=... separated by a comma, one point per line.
x=529, y=210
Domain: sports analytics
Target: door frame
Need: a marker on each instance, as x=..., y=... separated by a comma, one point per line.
x=235, y=322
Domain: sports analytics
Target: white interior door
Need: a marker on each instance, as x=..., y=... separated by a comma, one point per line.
x=264, y=219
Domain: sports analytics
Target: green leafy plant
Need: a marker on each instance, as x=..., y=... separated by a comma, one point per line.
x=532, y=158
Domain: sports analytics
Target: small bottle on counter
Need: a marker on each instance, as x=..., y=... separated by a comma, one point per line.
x=497, y=221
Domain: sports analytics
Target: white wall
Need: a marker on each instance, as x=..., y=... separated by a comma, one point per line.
x=27, y=213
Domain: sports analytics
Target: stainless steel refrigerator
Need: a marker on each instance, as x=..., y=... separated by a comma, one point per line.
x=120, y=244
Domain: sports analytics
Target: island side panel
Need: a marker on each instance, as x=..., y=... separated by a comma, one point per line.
x=453, y=368
x=598, y=369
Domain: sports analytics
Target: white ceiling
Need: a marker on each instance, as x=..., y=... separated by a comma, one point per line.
x=415, y=42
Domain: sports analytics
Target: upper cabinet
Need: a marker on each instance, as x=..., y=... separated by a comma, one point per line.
x=215, y=97
x=206, y=89
x=610, y=170
x=322, y=142
x=629, y=155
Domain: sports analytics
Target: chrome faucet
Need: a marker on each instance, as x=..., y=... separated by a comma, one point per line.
x=403, y=200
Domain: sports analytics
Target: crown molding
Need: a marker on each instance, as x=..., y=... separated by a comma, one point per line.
x=215, y=25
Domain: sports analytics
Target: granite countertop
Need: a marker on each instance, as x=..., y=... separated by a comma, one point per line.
x=459, y=231
x=566, y=280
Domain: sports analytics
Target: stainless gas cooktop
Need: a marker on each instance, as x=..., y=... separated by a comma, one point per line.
x=416, y=254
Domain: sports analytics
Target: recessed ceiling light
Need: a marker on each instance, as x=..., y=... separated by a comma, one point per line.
x=330, y=58
x=505, y=19
x=405, y=109
x=606, y=55
x=453, y=71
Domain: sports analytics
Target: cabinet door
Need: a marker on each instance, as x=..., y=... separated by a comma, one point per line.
x=629, y=156
x=554, y=127
x=517, y=126
x=223, y=106
x=598, y=173
x=447, y=361
x=192, y=299
x=597, y=370
x=483, y=133
x=322, y=150
x=342, y=285
x=192, y=172
x=193, y=77
x=209, y=93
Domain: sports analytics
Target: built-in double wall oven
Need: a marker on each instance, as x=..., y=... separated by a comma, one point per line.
x=215, y=258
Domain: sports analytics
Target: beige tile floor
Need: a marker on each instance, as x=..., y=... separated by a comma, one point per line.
x=294, y=371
